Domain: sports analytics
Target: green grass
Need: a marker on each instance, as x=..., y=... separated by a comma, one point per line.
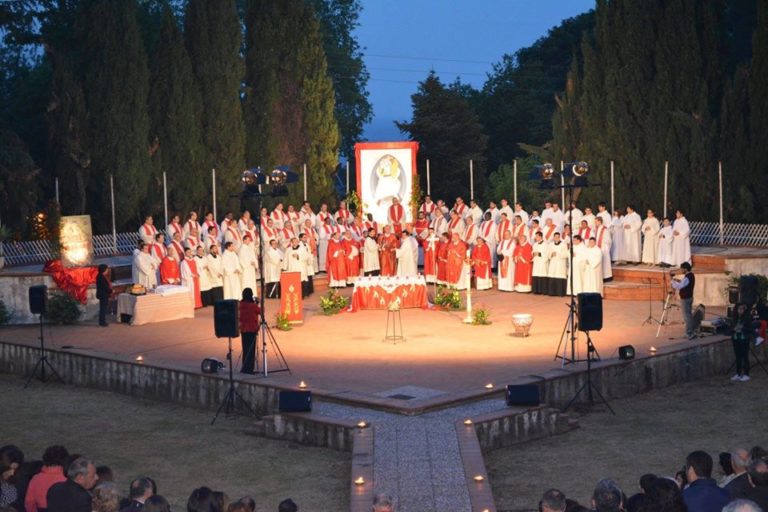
x=175, y=445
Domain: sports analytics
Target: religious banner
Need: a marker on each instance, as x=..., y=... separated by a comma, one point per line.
x=76, y=240
x=385, y=170
x=291, y=303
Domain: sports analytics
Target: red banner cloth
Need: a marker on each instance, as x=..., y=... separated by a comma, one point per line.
x=376, y=297
x=73, y=281
x=291, y=303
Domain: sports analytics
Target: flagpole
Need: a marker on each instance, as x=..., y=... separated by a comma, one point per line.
x=213, y=188
x=514, y=182
x=114, y=223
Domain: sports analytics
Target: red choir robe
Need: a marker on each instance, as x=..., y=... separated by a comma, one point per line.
x=585, y=234
x=523, y=255
x=169, y=271
x=421, y=227
x=504, y=226
x=344, y=214
x=353, y=263
x=396, y=216
x=457, y=253
x=179, y=248
x=430, y=257
x=481, y=261
x=158, y=250
x=427, y=209
x=208, y=224
x=548, y=231
x=336, y=265
x=387, y=260
x=173, y=228
x=442, y=261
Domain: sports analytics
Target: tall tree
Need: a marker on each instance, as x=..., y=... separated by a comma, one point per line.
x=175, y=107
x=116, y=87
x=289, y=105
x=338, y=20
x=758, y=115
x=214, y=40
x=450, y=135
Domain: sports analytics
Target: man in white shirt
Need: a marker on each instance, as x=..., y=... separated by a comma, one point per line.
x=681, y=247
x=371, y=264
x=407, y=256
x=650, y=231
x=604, y=214
x=273, y=264
x=295, y=260
x=231, y=272
x=522, y=213
x=557, y=216
x=505, y=208
x=632, y=225
x=475, y=213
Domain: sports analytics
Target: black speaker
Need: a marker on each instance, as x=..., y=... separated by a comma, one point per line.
x=626, y=352
x=524, y=394
x=733, y=295
x=590, y=312
x=38, y=299
x=226, y=318
x=294, y=401
x=748, y=290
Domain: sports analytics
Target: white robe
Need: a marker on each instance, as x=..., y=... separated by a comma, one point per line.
x=371, y=255
x=407, y=256
x=666, y=241
x=577, y=270
x=506, y=248
x=249, y=264
x=592, y=278
x=201, y=262
x=540, y=259
x=232, y=271
x=215, y=270
x=617, y=238
x=145, y=270
x=297, y=260
x=681, y=247
x=607, y=245
x=590, y=218
x=607, y=218
x=273, y=264
x=650, y=230
x=323, y=236
x=632, y=237
x=558, y=261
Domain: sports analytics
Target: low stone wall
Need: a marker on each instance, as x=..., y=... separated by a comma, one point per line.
x=14, y=292
x=517, y=425
x=311, y=429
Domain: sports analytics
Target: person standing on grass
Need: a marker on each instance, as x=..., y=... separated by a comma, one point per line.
x=743, y=334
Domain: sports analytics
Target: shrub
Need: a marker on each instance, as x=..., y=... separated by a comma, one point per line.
x=481, y=316
x=281, y=320
x=63, y=309
x=333, y=302
x=447, y=298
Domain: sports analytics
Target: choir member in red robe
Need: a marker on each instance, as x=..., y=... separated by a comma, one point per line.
x=352, y=250
x=481, y=262
x=169, y=268
x=442, y=259
x=190, y=278
x=457, y=255
x=523, y=257
x=336, y=262
x=431, y=243
x=387, y=246
x=396, y=216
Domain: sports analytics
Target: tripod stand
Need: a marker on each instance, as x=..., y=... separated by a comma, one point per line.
x=588, y=384
x=668, y=304
x=650, y=319
x=232, y=396
x=43, y=362
x=266, y=334
x=568, y=334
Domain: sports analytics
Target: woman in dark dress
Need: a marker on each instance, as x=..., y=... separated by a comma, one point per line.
x=103, y=293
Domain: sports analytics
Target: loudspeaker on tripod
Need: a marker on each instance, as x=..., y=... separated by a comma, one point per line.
x=590, y=312
x=38, y=299
x=226, y=318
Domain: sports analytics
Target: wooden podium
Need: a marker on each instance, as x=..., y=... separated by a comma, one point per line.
x=291, y=303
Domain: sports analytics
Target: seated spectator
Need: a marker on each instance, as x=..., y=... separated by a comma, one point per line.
x=663, y=494
x=106, y=498
x=607, y=497
x=726, y=468
x=249, y=503
x=738, y=482
x=742, y=506
x=139, y=492
x=203, y=499
x=8, y=494
x=14, y=484
x=552, y=501
x=702, y=493
x=72, y=494
x=221, y=499
x=237, y=506
x=287, y=506
x=105, y=474
x=383, y=503
x=54, y=459
x=634, y=501
x=156, y=503
x=758, y=478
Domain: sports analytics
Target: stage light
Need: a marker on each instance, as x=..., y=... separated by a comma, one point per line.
x=547, y=171
x=249, y=178
x=278, y=177
x=302, y=385
x=478, y=478
x=211, y=365
x=580, y=169
x=359, y=481
x=626, y=352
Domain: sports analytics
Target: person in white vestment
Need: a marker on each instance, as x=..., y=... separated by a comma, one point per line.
x=147, y=231
x=681, y=246
x=505, y=208
x=201, y=262
x=604, y=242
x=407, y=256
x=589, y=217
x=506, y=263
x=617, y=237
x=273, y=264
x=216, y=274
x=144, y=267
x=576, y=271
x=666, y=241
x=540, y=264
x=296, y=259
x=604, y=214
x=651, y=230
x=632, y=225
x=249, y=264
x=232, y=272
x=557, y=268
x=592, y=278
x=371, y=264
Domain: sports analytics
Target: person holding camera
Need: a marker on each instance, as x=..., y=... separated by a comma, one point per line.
x=684, y=287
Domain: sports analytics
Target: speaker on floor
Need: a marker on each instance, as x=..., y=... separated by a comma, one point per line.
x=590, y=312
x=226, y=318
x=523, y=394
x=748, y=290
x=38, y=299
x=626, y=352
x=294, y=401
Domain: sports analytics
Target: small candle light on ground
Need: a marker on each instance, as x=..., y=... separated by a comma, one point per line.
x=478, y=478
x=359, y=480
x=302, y=385
x=139, y=358
x=467, y=421
x=362, y=424
x=489, y=386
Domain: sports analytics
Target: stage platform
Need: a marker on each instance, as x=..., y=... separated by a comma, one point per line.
x=344, y=358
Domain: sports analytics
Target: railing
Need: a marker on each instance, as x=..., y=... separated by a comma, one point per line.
x=39, y=251
x=743, y=235
x=702, y=233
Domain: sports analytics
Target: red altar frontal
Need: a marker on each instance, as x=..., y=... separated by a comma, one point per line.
x=382, y=292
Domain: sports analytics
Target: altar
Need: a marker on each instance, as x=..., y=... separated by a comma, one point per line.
x=377, y=292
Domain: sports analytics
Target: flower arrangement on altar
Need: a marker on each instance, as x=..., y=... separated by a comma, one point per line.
x=333, y=302
x=447, y=298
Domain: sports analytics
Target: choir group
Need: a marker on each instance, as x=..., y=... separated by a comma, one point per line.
x=529, y=252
